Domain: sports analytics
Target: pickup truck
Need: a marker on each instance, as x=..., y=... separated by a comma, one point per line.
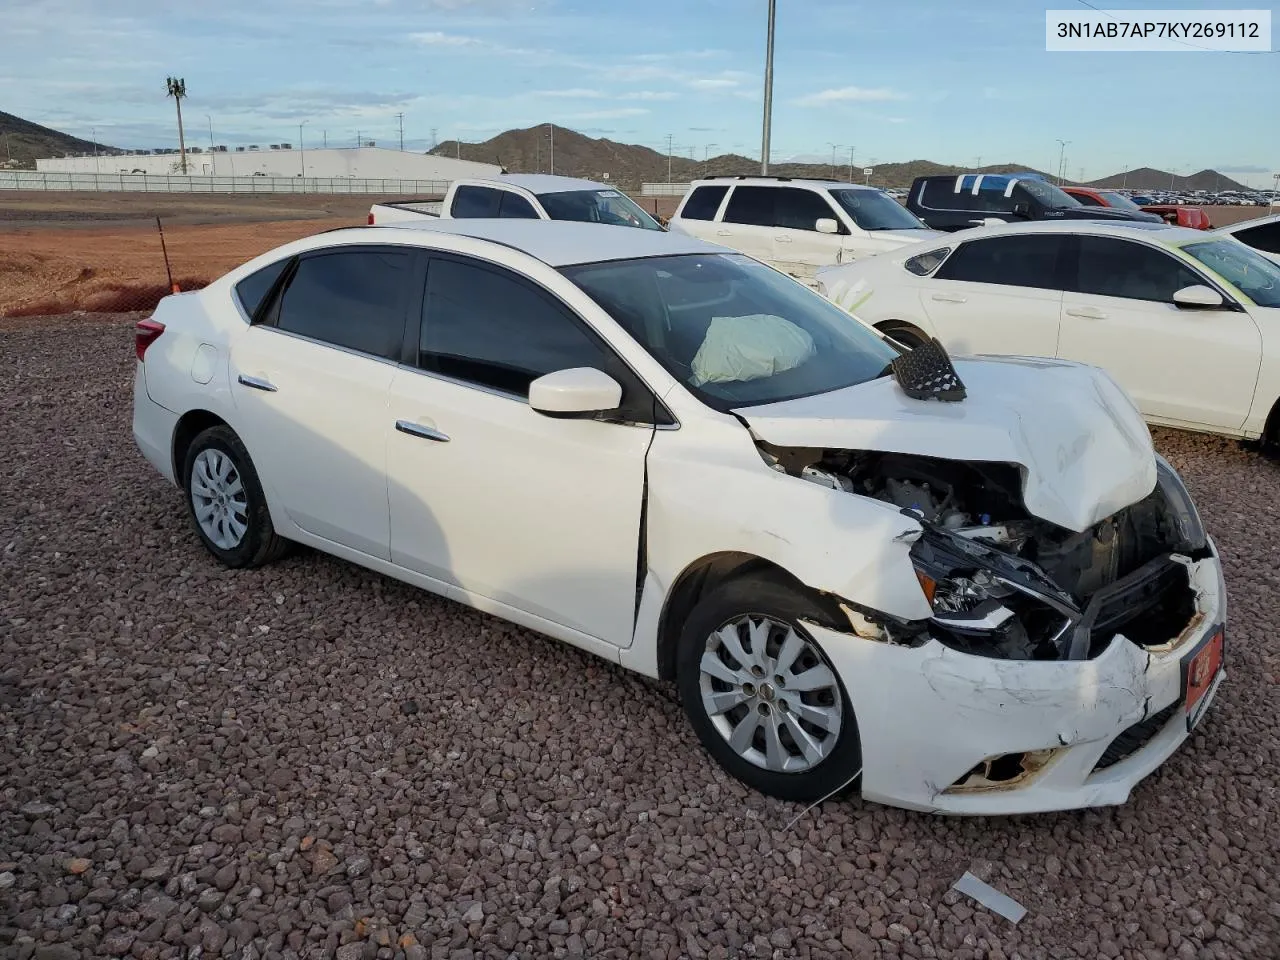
x=1180, y=216
x=533, y=196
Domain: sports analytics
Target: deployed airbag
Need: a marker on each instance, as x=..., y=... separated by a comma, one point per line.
x=750, y=347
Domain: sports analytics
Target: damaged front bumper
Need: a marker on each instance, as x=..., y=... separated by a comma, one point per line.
x=951, y=732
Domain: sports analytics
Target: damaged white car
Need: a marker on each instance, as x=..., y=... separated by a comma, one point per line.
x=968, y=587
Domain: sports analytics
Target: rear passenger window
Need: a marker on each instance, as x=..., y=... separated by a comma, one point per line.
x=516, y=207
x=475, y=203
x=750, y=205
x=254, y=287
x=1265, y=237
x=354, y=299
x=1088, y=199
x=942, y=195
x=703, y=203
x=1110, y=267
x=1015, y=261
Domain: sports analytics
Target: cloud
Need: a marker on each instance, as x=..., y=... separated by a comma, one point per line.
x=607, y=114
x=435, y=38
x=712, y=83
x=850, y=95
x=574, y=93
x=650, y=95
x=1239, y=168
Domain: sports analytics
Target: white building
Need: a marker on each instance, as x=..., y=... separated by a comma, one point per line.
x=281, y=160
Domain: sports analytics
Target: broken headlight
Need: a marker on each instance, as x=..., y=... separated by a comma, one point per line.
x=1182, y=510
x=979, y=613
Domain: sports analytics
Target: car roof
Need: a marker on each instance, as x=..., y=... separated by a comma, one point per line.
x=563, y=243
x=1132, y=229
x=539, y=183
x=750, y=181
x=1246, y=224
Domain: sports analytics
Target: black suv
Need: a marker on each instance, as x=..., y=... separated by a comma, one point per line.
x=960, y=202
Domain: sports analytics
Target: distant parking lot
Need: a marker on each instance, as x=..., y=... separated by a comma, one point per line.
x=312, y=760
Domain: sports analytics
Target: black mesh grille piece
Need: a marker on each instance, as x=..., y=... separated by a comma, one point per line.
x=926, y=373
x=1130, y=741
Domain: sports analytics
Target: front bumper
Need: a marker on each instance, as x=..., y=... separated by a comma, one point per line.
x=928, y=715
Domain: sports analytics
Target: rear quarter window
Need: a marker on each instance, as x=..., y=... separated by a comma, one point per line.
x=703, y=203
x=254, y=288
x=925, y=263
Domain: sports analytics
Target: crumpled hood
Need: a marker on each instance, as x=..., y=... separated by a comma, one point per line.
x=1083, y=448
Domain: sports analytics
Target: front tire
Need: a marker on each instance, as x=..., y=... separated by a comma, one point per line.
x=226, y=502
x=762, y=696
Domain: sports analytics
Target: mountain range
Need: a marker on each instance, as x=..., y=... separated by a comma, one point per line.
x=529, y=150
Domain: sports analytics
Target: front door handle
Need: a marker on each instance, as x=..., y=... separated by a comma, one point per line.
x=1088, y=313
x=783, y=239
x=257, y=383
x=948, y=298
x=418, y=430
x=724, y=233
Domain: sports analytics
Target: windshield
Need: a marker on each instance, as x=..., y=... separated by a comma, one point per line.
x=1119, y=200
x=874, y=210
x=734, y=331
x=597, y=206
x=1048, y=194
x=1253, y=274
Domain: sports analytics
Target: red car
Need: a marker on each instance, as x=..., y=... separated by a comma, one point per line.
x=1181, y=216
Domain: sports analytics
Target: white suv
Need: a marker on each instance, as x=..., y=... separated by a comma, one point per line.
x=797, y=226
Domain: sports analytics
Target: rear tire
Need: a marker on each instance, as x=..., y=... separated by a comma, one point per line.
x=775, y=714
x=909, y=335
x=226, y=502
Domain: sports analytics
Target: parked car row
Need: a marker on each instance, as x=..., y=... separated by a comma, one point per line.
x=967, y=586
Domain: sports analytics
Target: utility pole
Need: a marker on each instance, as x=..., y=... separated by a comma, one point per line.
x=324, y=138
x=668, y=158
x=1062, y=159
x=177, y=88
x=301, y=149
x=359, y=142
x=213, y=156
x=553, y=148
x=94, y=134
x=768, y=91
x=706, y=155
x=834, y=148
x=851, y=163
x=401, y=117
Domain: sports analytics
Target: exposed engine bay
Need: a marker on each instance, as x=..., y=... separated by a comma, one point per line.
x=1004, y=583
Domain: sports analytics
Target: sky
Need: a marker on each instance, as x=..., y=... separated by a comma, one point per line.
x=941, y=80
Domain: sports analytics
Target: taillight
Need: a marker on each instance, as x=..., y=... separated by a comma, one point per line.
x=371, y=218
x=145, y=334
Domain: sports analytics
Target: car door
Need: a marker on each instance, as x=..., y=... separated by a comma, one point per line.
x=310, y=384
x=798, y=248
x=501, y=503
x=999, y=295
x=1182, y=366
x=747, y=223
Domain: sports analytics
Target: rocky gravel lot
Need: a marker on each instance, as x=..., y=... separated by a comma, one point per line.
x=311, y=760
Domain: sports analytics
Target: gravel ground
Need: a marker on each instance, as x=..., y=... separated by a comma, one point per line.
x=312, y=760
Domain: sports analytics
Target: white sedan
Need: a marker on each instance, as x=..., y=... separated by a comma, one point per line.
x=970, y=588
x=1261, y=233
x=1186, y=321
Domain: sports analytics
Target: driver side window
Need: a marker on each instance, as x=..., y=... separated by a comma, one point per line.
x=1111, y=267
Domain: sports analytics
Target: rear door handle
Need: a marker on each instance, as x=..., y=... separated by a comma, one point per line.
x=1089, y=313
x=257, y=383
x=724, y=233
x=948, y=298
x=418, y=430
x=783, y=239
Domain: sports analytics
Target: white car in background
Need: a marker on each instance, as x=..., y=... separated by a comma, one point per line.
x=797, y=226
x=1261, y=233
x=1187, y=322
x=676, y=458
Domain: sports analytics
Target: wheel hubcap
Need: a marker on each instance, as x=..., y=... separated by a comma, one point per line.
x=770, y=694
x=218, y=496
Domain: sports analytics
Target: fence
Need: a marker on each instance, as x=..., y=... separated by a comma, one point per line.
x=178, y=183
x=663, y=189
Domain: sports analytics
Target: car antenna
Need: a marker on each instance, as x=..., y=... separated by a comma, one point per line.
x=165, y=250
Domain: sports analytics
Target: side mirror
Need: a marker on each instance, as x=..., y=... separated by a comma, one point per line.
x=1022, y=209
x=579, y=392
x=1198, y=296
x=826, y=225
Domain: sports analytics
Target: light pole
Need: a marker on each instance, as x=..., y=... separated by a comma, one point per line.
x=1275, y=192
x=553, y=147
x=768, y=91
x=834, y=147
x=706, y=155
x=1062, y=158
x=851, y=163
x=302, y=152
x=213, y=156
x=94, y=133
